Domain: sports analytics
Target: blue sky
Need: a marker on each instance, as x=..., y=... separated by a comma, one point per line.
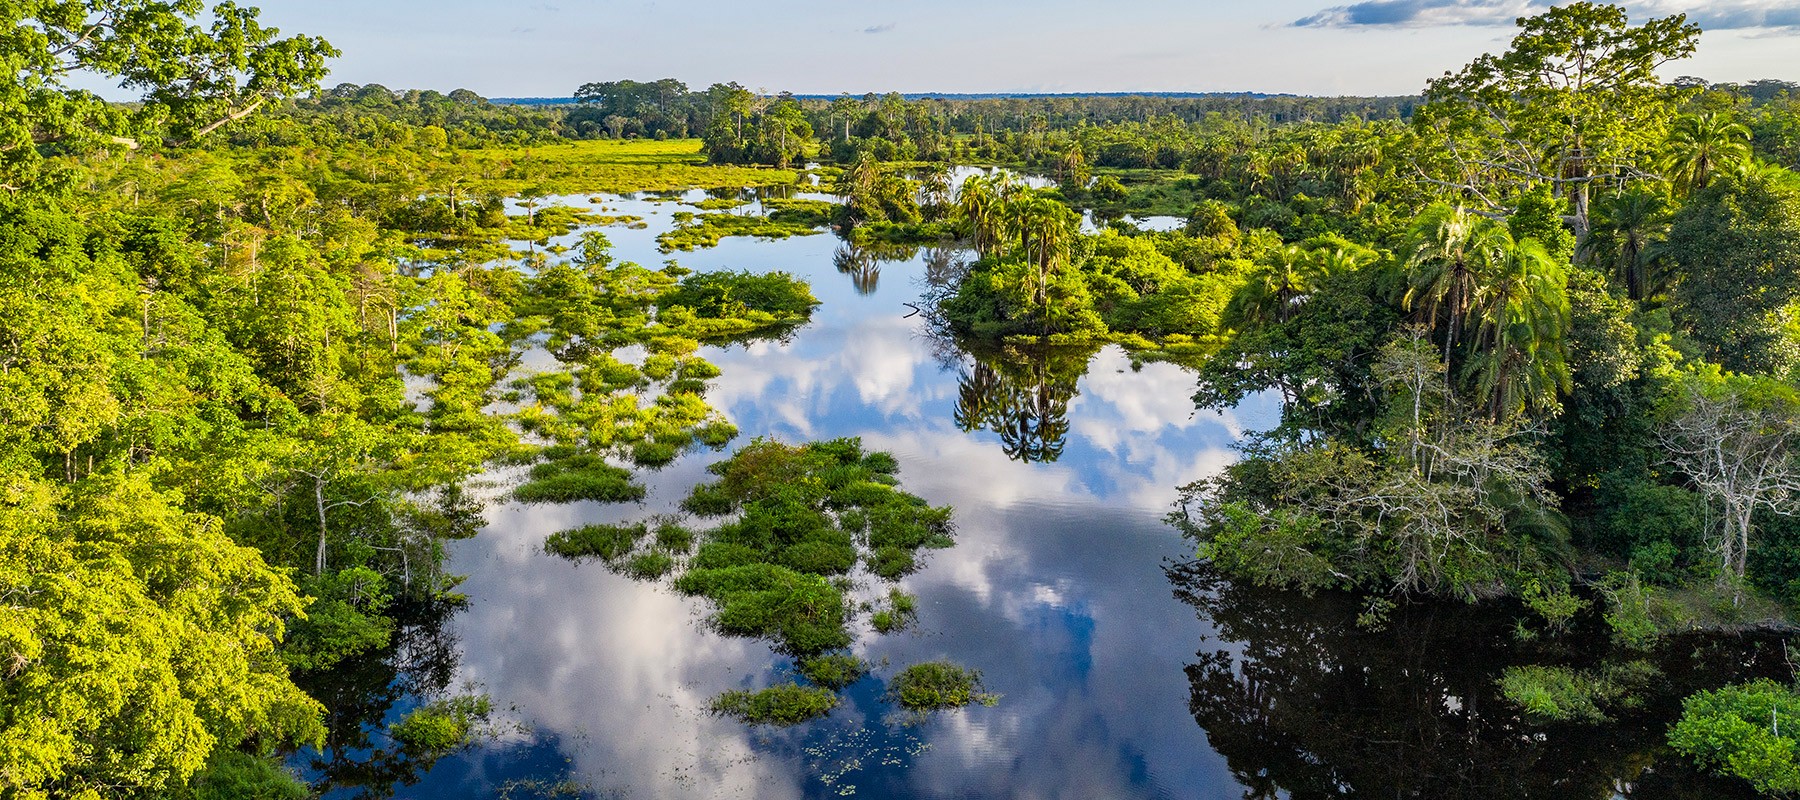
x=548, y=47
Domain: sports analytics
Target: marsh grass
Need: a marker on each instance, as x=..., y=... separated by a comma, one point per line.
x=580, y=476
x=834, y=671
x=787, y=704
x=612, y=166
x=937, y=685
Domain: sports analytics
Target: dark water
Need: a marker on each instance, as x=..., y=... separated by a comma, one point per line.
x=1123, y=669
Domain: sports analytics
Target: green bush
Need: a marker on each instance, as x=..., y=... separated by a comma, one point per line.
x=1733, y=731
x=441, y=726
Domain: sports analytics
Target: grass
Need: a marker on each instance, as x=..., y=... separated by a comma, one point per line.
x=605, y=542
x=937, y=685
x=902, y=610
x=788, y=704
x=613, y=166
x=834, y=671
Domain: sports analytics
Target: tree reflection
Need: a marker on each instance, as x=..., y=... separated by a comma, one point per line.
x=365, y=693
x=1023, y=395
x=1305, y=704
x=863, y=269
x=863, y=262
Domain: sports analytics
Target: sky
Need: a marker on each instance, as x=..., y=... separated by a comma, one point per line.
x=547, y=48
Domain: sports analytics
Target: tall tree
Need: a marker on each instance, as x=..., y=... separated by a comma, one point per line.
x=1575, y=101
x=198, y=68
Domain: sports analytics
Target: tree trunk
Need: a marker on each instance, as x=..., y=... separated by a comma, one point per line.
x=319, y=502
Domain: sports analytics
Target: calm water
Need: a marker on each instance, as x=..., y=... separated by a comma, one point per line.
x=1124, y=671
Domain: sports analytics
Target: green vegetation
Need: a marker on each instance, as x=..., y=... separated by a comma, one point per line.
x=902, y=609
x=606, y=542
x=1560, y=694
x=442, y=726
x=787, y=704
x=936, y=685
x=834, y=671
x=258, y=335
x=1738, y=731
x=235, y=775
x=580, y=476
x=705, y=230
x=615, y=167
x=805, y=517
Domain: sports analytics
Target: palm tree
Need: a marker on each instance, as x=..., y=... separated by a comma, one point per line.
x=1522, y=314
x=979, y=203
x=1046, y=229
x=1627, y=229
x=1703, y=145
x=1452, y=249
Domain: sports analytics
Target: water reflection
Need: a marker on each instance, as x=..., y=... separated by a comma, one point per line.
x=365, y=693
x=1023, y=395
x=1060, y=463
x=1304, y=703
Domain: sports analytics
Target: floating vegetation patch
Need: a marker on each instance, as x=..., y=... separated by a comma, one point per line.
x=787, y=704
x=834, y=671
x=442, y=726
x=580, y=476
x=793, y=211
x=937, y=685
x=802, y=519
x=705, y=230
x=604, y=542
x=650, y=412
x=902, y=609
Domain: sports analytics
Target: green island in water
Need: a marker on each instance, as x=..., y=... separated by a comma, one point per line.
x=362, y=443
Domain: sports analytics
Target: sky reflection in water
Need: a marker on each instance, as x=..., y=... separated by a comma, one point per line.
x=1055, y=589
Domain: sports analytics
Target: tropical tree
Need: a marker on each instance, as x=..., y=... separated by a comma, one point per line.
x=978, y=201
x=1628, y=229
x=1452, y=251
x=1574, y=102
x=1522, y=316
x=1701, y=146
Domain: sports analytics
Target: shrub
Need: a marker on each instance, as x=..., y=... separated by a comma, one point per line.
x=1732, y=731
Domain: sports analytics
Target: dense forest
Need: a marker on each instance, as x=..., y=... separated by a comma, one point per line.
x=1533, y=331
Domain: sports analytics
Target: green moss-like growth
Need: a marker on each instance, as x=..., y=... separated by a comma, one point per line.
x=579, y=477
x=605, y=542
x=788, y=704
x=834, y=671
x=938, y=684
x=705, y=230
